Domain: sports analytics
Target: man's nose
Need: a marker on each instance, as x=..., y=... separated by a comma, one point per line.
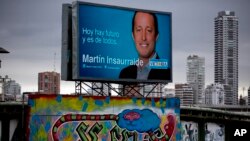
x=144, y=35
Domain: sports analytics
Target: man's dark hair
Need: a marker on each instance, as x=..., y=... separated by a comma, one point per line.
x=155, y=21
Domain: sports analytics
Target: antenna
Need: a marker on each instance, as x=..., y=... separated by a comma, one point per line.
x=54, y=65
x=243, y=90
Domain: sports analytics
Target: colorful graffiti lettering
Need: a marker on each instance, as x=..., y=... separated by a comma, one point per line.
x=94, y=130
x=103, y=119
x=78, y=117
x=129, y=119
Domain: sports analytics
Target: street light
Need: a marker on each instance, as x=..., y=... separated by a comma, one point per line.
x=2, y=50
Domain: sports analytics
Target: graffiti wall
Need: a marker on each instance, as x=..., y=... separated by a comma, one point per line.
x=189, y=131
x=214, y=132
x=74, y=118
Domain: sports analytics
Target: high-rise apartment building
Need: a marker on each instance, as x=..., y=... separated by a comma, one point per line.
x=226, y=51
x=49, y=82
x=185, y=93
x=196, y=76
x=228, y=92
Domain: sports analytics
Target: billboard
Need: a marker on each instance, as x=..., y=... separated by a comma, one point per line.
x=88, y=118
x=120, y=44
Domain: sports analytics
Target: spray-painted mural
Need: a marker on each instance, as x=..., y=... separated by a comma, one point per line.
x=74, y=118
x=189, y=131
x=214, y=132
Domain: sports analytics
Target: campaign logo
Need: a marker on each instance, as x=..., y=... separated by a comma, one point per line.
x=158, y=63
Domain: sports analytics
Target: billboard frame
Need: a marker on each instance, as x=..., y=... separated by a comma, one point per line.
x=75, y=75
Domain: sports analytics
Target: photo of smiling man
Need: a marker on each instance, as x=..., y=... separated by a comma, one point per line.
x=145, y=34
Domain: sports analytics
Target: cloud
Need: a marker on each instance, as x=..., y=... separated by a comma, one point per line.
x=139, y=120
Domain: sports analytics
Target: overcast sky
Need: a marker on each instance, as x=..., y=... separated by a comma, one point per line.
x=31, y=31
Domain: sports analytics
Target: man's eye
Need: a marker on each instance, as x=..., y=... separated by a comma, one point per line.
x=150, y=30
x=138, y=29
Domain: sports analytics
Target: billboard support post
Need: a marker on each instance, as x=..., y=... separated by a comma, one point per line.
x=97, y=88
x=124, y=89
x=142, y=89
x=155, y=89
x=78, y=87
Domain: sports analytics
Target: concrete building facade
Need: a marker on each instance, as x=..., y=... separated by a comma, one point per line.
x=49, y=82
x=12, y=88
x=214, y=94
x=185, y=93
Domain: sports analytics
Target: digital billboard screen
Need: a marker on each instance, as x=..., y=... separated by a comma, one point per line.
x=121, y=44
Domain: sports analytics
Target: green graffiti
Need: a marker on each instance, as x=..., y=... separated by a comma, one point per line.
x=147, y=138
x=95, y=129
x=115, y=133
x=118, y=134
x=158, y=134
x=127, y=134
x=81, y=129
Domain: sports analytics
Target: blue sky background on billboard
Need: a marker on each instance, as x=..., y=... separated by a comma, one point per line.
x=31, y=31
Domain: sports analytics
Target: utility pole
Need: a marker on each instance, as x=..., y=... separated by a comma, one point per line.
x=54, y=63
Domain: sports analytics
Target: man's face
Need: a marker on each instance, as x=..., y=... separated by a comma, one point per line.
x=144, y=34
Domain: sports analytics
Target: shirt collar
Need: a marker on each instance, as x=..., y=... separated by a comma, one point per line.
x=142, y=73
x=147, y=65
